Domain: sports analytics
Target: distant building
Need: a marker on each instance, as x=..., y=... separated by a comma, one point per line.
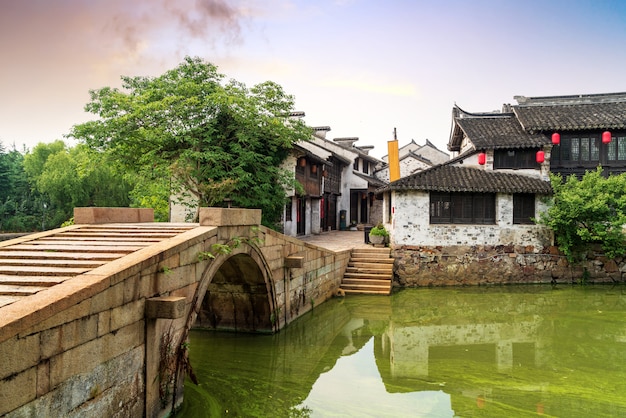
x=338, y=181
x=485, y=195
x=413, y=158
x=490, y=191
x=580, y=121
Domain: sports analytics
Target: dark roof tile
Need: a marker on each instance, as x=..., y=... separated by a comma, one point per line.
x=449, y=178
x=498, y=132
x=572, y=117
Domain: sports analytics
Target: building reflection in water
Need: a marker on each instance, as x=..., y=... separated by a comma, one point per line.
x=530, y=348
x=500, y=351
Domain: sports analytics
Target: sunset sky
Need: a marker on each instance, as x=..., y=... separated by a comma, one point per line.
x=362, y=67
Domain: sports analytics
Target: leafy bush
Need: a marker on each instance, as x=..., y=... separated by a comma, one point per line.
x=586, y=212
x=379, y=230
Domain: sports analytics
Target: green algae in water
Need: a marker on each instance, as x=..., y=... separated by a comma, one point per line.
x=453, y=352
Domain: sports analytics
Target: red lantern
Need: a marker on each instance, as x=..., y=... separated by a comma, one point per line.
x=302, y=162
x=556, y=138
x=541, y=156
x=482, y=157
x=606, y=137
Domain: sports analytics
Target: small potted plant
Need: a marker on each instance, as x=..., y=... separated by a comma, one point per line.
x=353, y=225
x=378, y=234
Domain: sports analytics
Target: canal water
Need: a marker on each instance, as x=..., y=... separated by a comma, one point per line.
x=437, y=352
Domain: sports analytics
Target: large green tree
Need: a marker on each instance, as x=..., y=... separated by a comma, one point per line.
x=586, y=212
x=214, y=139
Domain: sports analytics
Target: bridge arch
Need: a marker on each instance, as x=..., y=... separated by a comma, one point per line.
x=235, y=292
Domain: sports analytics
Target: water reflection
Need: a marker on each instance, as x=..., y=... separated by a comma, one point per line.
x=331, y=395
x=503, y=351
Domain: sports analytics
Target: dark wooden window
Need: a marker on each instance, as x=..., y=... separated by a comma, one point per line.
x=523, y=208
x=462, y=208
x=332, y=183
x=577, y=150
x=515, y=158
x=288, y=210
x=356, y=164
x=366, y=166
x=617, y=148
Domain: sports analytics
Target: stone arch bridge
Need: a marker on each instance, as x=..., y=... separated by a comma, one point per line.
x=94, y=317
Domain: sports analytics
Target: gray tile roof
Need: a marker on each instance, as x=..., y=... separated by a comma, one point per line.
x=449, y=178
x=372, y=181
x=498, y=132
x=574, y=116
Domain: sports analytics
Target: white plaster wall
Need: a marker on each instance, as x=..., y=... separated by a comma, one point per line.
x=182, y=212
x=291, y=227
x=348, y=179
x=410, y=165
x=315, y=216
x=433, y=154
x=411, y=225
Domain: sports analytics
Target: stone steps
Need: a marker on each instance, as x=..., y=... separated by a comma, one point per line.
x=369, y=271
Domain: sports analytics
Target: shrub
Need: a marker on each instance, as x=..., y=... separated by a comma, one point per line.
x=588, y=211
x=379, y=230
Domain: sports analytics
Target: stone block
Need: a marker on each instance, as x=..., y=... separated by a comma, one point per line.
x=167, y=307
x=18, y=354
x=294, y=262
x=62, y=316
x=131, y=288
x=190, y=255
x=20, y=389
x=127, y=314
x=104, y=323
x=228, y=217
x=112, y=215
x=43, y=378
x=108, y=299
x=165, y=282
x=84, y=358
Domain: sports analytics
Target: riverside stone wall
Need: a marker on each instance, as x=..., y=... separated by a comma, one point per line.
x=484, y=265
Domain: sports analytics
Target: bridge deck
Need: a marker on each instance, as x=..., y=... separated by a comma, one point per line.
x=37, y=262
x=338, y=240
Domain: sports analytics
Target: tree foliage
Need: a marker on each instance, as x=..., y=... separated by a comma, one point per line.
x=20, y=207
x=588, y=211
x=66, y=178
x=213, y=139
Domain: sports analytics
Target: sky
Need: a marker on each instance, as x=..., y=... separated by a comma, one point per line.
x=361, y=67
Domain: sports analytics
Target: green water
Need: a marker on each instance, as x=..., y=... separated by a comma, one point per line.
x=461, y=352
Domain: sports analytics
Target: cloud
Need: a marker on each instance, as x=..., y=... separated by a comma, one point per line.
x=197, y=20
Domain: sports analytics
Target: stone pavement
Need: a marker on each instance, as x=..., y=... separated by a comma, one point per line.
x=337, y=240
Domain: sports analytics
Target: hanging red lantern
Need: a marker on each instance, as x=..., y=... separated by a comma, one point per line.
x=314, y=169
x=541, y=156
x=556, y=138
x=302, y=162
x=606, y=137
x=482, y=158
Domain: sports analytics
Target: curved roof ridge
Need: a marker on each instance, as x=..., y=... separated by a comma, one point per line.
x=495, y=113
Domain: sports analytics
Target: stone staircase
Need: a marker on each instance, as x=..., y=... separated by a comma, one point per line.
x=370, y=271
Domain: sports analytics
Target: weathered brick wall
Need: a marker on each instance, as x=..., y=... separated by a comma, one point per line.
x=479, y=265
x=300, y=289
x=411, y=225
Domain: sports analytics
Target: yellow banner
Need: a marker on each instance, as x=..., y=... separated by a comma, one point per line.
x=394, y=160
